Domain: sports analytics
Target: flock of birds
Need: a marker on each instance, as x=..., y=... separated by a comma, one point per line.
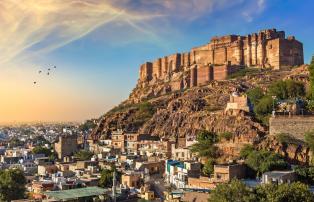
x=48, y=72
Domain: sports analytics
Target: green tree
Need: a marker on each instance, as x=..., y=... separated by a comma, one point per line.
x=83, y=155
x=262, y=161
x=225, y=136
x=42, y=150
x=105, y=180
x=205, y=145
x=235, y=191
x=309, y=140
x=305, y=174
x=87, y=125
x=12, y=184
x=255, y=95
x=15, y=142
x=264, y=106
x=287, y=89
x=208, y=168
x=294, y=192
x=246, y=150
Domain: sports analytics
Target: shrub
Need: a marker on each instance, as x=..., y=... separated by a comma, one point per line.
x=287, y=89
x=208, y=168
x=264, y=106
x=285, y=138
x=263, y=161
x=246, y=150
x=226, y=136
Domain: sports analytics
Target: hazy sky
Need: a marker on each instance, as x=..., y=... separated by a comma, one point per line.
x=97, y=46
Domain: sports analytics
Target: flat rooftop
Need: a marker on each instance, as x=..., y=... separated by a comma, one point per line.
x=75, y=193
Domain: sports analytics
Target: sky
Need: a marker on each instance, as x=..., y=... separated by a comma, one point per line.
x=98, y=45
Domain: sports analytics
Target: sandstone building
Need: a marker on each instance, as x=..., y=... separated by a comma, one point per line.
x=66, y=146
x=221, y=57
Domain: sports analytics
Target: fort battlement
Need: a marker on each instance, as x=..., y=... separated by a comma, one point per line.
x=223, y=56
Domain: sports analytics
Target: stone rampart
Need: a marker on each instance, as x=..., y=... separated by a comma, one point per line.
x=296, y=126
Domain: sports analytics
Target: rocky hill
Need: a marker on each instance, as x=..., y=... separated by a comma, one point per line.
x=181, y=94
x=181, y=114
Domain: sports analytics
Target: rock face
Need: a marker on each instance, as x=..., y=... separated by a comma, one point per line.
x=296, y=154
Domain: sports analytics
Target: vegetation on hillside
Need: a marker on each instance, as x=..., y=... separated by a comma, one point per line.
x=205, y=148
x=243, y=72
x=237, y=191
x=264, y=102
x=41, y=150
x=262, y=161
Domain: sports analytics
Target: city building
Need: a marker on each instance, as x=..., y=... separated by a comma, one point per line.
x=66, y=146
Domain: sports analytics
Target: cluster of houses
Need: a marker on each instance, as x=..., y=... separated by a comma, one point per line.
x=145, y=166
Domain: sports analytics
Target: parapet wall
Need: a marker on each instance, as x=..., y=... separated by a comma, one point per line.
x=296, y=126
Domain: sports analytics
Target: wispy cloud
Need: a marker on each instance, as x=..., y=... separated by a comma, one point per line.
x=35, y=27
x=253, y=9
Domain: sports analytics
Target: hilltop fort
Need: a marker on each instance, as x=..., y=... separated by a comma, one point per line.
x=218, y=59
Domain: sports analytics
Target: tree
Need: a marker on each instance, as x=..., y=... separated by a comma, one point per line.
x=255, y=95
x=305, y=174
x=12, y=184
x=287, y=89
x=235, y=191
x=208, y=168
x=246, y=150
x=83, y=155
x=105, y=180
x=205, y=145
x=309, y=140
x=293, y=192
x=42, y=150
x=264, y=106
x=263, y=161
x=87, y=125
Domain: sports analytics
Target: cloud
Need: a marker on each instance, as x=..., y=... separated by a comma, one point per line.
x=252, y=9
x=33, y=26
x=30, y=27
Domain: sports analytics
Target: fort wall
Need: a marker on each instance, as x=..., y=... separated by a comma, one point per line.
x=296, y=126
x=224, y=55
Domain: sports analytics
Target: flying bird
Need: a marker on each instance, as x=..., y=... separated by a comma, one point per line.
x=48, y=73
x=48, y=69
x=39, y=71
x=35, y=82
x=55, y=67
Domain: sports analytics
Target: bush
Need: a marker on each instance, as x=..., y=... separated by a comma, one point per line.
x=243, y=72
x=205, y=145
x=226, y=136
x=12, y=184
x=263, y=161
x=264, y=106
x=234, y=191
x=285, y=138
x=255, y=95
x=42, y=150
x=246, y=150
x=305, y=174
x=287, y=89
x=208, y=168
x=83, y=155
x=293, y=192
